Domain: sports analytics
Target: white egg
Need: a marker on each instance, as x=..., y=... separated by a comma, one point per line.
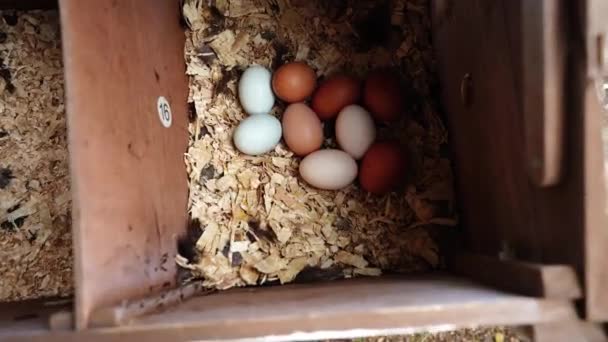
x=255, y=90
x=355, y=130
x=257, y=134
x=328, y=169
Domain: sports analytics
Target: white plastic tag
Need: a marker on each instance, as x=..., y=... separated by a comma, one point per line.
x=164, y=111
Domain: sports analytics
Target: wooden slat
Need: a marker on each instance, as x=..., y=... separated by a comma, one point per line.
x=499, y=205
x=596, y=278
x=128, y=174
x=592, y=27
x=568, y=331
x=129, y=310
x=543, y=75
x=590, y=69
x=547, y=281
x=487, y=138
x=565, y=224
x=31, y=313
x=359, y=304
x=337, y=309
x=61, y=320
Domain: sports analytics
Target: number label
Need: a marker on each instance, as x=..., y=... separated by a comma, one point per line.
x=164, y=111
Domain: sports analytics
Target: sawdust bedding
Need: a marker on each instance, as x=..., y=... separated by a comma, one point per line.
x=254, y=221
x=35, y=239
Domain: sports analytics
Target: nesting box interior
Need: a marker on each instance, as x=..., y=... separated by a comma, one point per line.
x=522, y=214
x=257, y=219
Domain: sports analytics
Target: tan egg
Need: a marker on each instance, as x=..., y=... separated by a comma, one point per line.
x=355, y=130
x=328, y=169
x=302, y=129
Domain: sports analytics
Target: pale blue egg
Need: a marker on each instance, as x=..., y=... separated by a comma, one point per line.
x=257, y=134
x=255, y=90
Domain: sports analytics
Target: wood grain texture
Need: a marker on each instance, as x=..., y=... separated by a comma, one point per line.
x=594, y=26
x=590, y=69
x=565, y=224
x=544, y=70
x=487, y=138
x=128, y=174
x=596, y=252
x=499, y=205
x=353, y=307
x=568, y=331
x=30, y=312
x=125, y=312
x=529, y=279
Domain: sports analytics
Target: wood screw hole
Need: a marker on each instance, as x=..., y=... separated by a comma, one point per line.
x=466, y=90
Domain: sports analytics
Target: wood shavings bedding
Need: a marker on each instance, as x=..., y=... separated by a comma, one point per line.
x=35, y=239
x=254, y=220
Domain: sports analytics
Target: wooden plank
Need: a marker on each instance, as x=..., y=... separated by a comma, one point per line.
x=596, y=278
x=591, y=69
x=129, y=185
x=487, y=137
x=500, y=207
x=61, y=320
x=537, y=280
x=595, y=30
x=31, y=313
x=568, y=331
x=128, y=310
x=564, y=224
x=544, y=72
x=350, y=308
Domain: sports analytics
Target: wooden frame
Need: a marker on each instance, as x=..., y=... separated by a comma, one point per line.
x=382, y=306
x=502, y=210
x=591, y=34
x=529, y=279
x=128, y=174
x=130, y=191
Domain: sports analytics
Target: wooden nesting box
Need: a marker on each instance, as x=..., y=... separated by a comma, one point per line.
x=522, y=87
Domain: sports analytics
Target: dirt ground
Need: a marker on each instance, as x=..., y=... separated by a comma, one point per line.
x=496, y=334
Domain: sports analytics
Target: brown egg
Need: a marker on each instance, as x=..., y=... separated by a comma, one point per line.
x=383, y=96
x=294, y=82
x=334, y=94
x=302, y=129
x=382, y=168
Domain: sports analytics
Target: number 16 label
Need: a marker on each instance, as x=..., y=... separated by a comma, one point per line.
x=164, y=111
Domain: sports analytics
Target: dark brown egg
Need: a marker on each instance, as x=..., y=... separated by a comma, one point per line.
x=382, y=168
x=334, y=94
x=294, y=82
x=302, y=129
x=383, y=96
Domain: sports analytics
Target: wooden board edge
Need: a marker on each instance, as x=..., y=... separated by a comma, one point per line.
x=129, y=181
x=530, y=279
x=128, y=311
x=567, y=331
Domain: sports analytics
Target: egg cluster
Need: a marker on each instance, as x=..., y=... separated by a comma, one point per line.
x=355, y=106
